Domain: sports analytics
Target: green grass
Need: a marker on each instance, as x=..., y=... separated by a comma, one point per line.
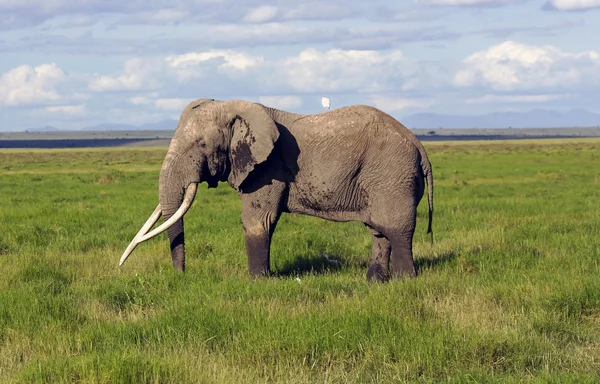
x=509, y=291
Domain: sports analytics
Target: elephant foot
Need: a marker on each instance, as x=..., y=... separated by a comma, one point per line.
x=406, y=271
x=376, y=273
x=258, y=273
x=179, y=264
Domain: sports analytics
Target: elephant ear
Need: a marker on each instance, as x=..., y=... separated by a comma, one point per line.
x=252, y=140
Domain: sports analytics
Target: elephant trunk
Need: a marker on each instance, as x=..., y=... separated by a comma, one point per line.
x=174, y=178
x=173, y=205
x=174, y=196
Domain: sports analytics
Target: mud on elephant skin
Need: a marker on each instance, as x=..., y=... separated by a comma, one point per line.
x=355, y=163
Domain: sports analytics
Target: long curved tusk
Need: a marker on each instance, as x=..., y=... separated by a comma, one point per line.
x=145, y=228
x=187, y=203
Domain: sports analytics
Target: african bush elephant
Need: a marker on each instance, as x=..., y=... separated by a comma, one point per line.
x=355, y=163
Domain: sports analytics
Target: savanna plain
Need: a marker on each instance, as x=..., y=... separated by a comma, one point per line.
x=508, y=292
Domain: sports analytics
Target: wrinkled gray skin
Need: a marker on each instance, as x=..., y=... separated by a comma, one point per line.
x=350, y=164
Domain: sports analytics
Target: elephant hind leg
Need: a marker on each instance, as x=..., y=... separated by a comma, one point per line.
x=401, y=238
x=398, y=228
x=402, y=257
x=380, y=258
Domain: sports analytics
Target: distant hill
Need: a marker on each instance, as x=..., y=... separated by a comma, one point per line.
x=163, y=125
x=47, y=128
x=537, y=118
x=159, y=126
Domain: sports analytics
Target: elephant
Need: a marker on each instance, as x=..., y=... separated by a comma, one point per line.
x=354, y=163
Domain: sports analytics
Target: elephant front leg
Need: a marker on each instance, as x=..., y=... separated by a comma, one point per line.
x=258, y=243
x=380, y=259
x=260, y=212
x=259, y=224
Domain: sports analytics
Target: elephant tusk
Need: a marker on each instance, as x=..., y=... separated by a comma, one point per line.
x=145, y=228
x=187, y=203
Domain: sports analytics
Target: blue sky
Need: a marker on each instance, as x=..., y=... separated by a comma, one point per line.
x=71, y=64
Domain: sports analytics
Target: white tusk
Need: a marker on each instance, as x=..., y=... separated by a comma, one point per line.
x=187, y=203
x=145, y=228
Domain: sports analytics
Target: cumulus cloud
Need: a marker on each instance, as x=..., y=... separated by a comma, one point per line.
x=281, y=102
x=321, y=10
x=192, y=73
x=517, y=98
x=571, y=5
x=171, y=104
x=470, y=3
x=67, y=110
x=25, y=13
x=309, y=71
x=139, y=100
x=138, y=73
x=191, y=65
x=26, y=85
x=267, y=34
x=550, y=29
x=261, y=14
x=388, y=103
x=511, y=65
x=339, y=70
x=75, y=21
x=276, y=33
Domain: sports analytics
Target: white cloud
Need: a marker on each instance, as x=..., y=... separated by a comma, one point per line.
x=267, y=33
x=137, y=74
x=77, y=21
x=172, y=71
x=67, y=110
x=24, y=13
x=470, y=2
x=387, y=103
x=162, y=16
x=511, y=65
x=355, y=36
x=261, y=14
x=139, y=100
x=572, y=5
x=320, y=10
x=21, y=13
x=171, y=104
x=281, y=102
x=190, y=65
x=27, y=85
x=516, y=98
x=343, y=70
x=309, y=71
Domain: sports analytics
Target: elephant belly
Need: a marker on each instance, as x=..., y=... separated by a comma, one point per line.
x=327, y=201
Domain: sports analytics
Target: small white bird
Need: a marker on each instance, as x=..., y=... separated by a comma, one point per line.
x=325, y=103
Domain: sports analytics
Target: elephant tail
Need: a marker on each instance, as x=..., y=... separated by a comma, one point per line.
x=429, y=177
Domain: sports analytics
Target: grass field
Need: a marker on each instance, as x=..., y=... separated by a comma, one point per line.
x=508, y=292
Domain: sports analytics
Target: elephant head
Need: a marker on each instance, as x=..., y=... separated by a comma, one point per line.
x=214, y=141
